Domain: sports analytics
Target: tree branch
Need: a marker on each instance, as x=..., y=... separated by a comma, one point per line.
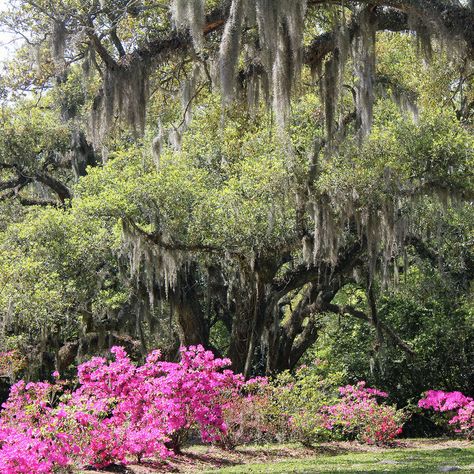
x=157, y=239
x=37, y=202
x=54, y=184
x=302, y=274
x=99, y=47
x=351, y=311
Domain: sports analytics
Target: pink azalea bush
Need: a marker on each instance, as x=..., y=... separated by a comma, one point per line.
x=320, y=410
x=305, y=409
x=458, y=407
x=253, y=416
x=26, y=451
x=359, y=415
x=302, y=395
x=464, y=420
x=118, y=411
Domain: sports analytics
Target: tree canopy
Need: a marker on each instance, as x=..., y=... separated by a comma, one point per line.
x=238, y=174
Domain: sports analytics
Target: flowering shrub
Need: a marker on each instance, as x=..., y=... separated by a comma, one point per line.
x=29, y=436
x=458, y=407
x=358, y=415
x=119, y=410
x=302, y=396
x=253, y=416
x=441, y=401
x=464, y=420
x=25, y=451
x=306, y=408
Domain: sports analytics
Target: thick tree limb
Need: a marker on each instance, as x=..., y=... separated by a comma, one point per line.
x=293, y=325
x=303, y=274
x=55, y=185
x=117, y=43
x=456, y=20
x=15, y=185
x=306, y=339
x=161, y=48
x=109, y=61
x=156, y=238
x=37, y=202
x=12, y=183
x=14, y=190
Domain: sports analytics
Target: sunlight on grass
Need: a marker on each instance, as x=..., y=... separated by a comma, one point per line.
x=396, y=461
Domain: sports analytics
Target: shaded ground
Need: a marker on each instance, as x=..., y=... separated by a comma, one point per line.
x=411, y=456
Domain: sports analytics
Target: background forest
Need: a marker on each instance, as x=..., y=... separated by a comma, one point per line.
x=283, y=182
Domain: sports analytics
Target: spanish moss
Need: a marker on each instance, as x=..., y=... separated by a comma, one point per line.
x=190, y=15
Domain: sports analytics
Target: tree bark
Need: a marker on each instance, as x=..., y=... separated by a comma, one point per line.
x=186, y=306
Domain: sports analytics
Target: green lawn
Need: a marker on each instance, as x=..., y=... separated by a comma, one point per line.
x=412, y=456
x=396, y=460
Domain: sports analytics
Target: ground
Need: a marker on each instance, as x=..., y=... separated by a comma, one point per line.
x=410, y=456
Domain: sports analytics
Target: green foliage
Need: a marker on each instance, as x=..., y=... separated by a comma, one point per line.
x=402, y=158
x=47, y=264
x=30, y=136
x=227, y=190
x=301, y=396
x=422, y=311
x=230, y=207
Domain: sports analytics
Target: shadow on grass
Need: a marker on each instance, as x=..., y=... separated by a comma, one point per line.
x=187, y=461
x=327, y=450
x=334, y=458
x=113, y=468
x=193, y=458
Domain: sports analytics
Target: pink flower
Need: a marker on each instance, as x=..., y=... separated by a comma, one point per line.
x=119, y=410
x=457, y=402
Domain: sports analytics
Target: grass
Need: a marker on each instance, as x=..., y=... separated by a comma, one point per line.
x=412, y=456
x=401, y=461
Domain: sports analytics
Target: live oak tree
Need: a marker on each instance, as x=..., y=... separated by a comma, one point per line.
x=245, y=160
